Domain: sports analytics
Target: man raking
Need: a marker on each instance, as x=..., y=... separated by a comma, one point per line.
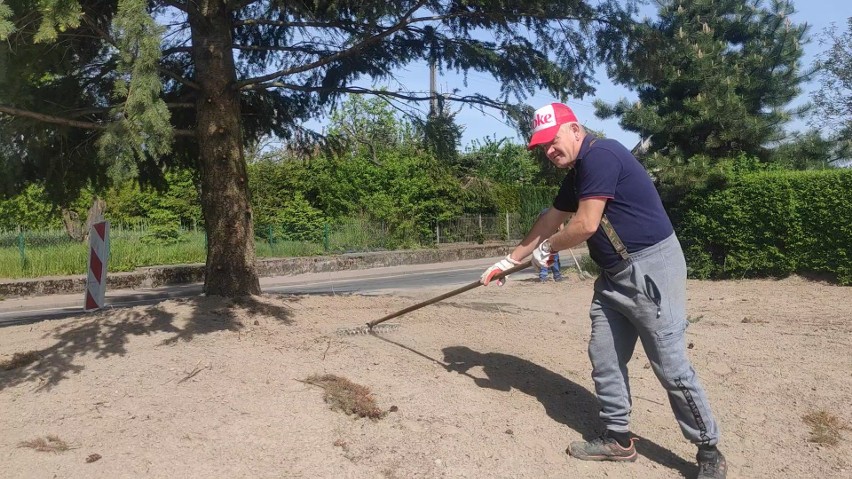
x=640, y=293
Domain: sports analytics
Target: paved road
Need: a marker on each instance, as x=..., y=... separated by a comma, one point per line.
x=441, y=277
x=388, y=282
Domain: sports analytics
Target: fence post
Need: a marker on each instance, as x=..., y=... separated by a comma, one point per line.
x=508, y=231
x=22, y=250
x=437, y=233
x=325, y=235
x=480, y=223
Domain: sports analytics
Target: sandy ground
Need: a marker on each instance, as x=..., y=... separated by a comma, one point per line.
x=493, y=383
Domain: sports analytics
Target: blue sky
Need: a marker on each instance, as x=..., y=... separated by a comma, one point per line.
x=819, y=14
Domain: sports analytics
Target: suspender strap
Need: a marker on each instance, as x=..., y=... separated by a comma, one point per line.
x=613, y=238
x=609, y=230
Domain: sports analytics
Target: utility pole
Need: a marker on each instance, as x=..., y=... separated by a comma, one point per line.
x=433, y=93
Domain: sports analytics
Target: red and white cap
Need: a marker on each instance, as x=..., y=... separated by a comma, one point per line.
x=547, y=121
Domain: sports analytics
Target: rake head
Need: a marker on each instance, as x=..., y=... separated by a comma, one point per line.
x=376, y=327
x=366, y=329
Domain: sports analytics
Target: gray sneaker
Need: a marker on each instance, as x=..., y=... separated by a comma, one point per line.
x=711, y=464
x=602, y=449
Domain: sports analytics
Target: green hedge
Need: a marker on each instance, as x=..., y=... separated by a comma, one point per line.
x=771, y=224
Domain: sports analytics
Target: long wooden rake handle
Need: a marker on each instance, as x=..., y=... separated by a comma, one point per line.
x=454, y=292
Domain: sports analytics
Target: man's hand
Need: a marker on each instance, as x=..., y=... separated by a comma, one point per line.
x=500, y=266
x=542, y=256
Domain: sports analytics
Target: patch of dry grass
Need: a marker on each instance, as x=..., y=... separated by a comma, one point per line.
x=344, y=395
x=50, y=443
x=825, y=427
x=20, y=360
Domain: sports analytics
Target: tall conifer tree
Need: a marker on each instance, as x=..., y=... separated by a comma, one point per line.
x=142, y=83
x=713, y=77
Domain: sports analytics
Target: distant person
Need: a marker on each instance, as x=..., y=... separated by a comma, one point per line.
x=640, y=293
x=544, y=272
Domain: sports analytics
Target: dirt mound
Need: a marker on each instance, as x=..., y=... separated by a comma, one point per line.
x=492, y=383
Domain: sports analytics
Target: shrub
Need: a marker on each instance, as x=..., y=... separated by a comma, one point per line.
x=771, y=224
x=299, y=221
x=164, y=229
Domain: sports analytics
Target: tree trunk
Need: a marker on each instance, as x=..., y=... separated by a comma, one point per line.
x=77, y=230
x=71, y=222
x=224, y=182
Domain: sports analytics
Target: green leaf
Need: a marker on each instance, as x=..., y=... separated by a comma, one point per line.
x=6, y=26
x=57, y=15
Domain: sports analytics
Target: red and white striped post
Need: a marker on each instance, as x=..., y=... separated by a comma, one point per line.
x=97, y=270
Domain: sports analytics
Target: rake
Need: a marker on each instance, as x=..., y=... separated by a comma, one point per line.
x=375, y=326
x=583, y=274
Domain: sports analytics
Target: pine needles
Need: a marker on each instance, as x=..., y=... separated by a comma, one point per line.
x=345, y=396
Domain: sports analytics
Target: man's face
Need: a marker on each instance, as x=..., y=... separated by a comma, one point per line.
x=562, y=151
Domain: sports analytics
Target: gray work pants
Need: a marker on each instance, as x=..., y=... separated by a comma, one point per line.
x=645, y=297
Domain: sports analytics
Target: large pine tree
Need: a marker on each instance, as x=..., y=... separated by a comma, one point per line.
x=138, y=84
x=833, y=99
x=713, y=77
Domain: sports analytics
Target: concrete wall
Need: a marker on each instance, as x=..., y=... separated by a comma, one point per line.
x=155, y=276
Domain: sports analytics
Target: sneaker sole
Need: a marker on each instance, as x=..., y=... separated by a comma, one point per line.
x=586, y=457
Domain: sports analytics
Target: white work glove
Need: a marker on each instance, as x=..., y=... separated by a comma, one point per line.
x=500, y=266
x=542, y=256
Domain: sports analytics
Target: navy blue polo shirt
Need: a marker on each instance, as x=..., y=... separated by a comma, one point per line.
x=606, y=169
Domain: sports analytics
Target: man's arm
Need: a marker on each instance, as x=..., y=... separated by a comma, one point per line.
x=544, y=226
x=582, y=226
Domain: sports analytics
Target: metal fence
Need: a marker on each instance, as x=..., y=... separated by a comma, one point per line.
x=52, y=252
x=479, y=229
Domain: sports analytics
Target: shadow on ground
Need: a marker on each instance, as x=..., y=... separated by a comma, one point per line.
x=106, y=333
x=564, y=400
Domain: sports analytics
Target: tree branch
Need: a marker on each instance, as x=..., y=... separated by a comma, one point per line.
x=284, y=24
x=107, y=38
x=78, y=112
x=243, y=4
x=169, y=51
x=264, y=48
x=471, y=99
x=51, y=119
x=406, y=18
x=101, y=33
x=189, y=83
x=180, y=6
x=431, y=18
x=55, y=120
